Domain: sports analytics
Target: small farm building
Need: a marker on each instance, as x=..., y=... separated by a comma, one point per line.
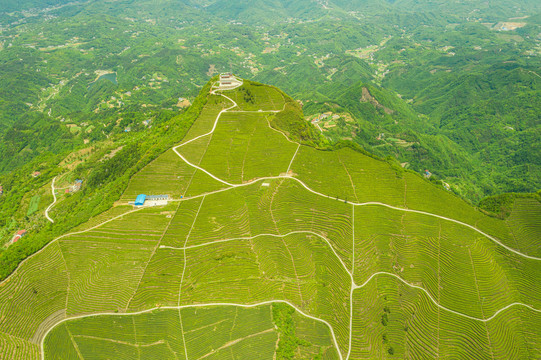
x=157, y=197
x=140, y=200
x=77, y=186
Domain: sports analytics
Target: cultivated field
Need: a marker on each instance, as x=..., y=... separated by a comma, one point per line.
x=279, y=251
x=209, y=332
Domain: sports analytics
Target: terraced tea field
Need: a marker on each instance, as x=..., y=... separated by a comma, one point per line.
x=273, y=250
x=202, y=332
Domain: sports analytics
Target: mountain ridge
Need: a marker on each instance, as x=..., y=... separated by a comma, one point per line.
x=249, y=208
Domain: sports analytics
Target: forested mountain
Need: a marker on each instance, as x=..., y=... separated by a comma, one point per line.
x=459, y=80
x=9, y=6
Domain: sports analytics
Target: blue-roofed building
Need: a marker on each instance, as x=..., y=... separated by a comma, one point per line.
x=140, y=200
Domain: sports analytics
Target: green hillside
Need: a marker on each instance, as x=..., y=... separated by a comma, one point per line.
x=277, y=245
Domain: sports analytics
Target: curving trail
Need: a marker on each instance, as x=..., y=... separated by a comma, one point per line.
x=354, y=286
x=54, y=202
x=428, y=214
x=212, y=131
x=207, y=134
x=292, y=159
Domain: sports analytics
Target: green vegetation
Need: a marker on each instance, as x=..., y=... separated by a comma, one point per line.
x=34, y=204
x=291, y=346
x=252, y=96
x=418, y=327
x=524, y=225
x=347, y=253
x=291, y=121
x=502, y=205
x=207, y=331
x=229, y=332
x=282, y=316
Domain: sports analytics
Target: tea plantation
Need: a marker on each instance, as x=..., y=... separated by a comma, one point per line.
x=270, y=249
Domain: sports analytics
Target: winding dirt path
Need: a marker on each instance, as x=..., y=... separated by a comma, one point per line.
x=54, y=202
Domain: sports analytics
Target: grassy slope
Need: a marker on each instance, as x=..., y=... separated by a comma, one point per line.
x=129, y=269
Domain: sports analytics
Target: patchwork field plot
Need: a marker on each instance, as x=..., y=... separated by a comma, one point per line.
x=106, y=277
x=242, y=148
x=391, y=318
x=343, y=257
x=27, y=302
x=429, y=252
x=525, y=225
x=109, y=215
x=254, y=97
x=280, y=208
x=194, y=150
x=168, y=174
x=160, y=283
x=206, y=120
x=360, y=179
x=34, y=205
x=212, y=332
x=296, y=268
x=349, y=175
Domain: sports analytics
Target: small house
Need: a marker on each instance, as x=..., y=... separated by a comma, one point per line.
x=226, y=76
x=77, y=185
x=18, y=235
